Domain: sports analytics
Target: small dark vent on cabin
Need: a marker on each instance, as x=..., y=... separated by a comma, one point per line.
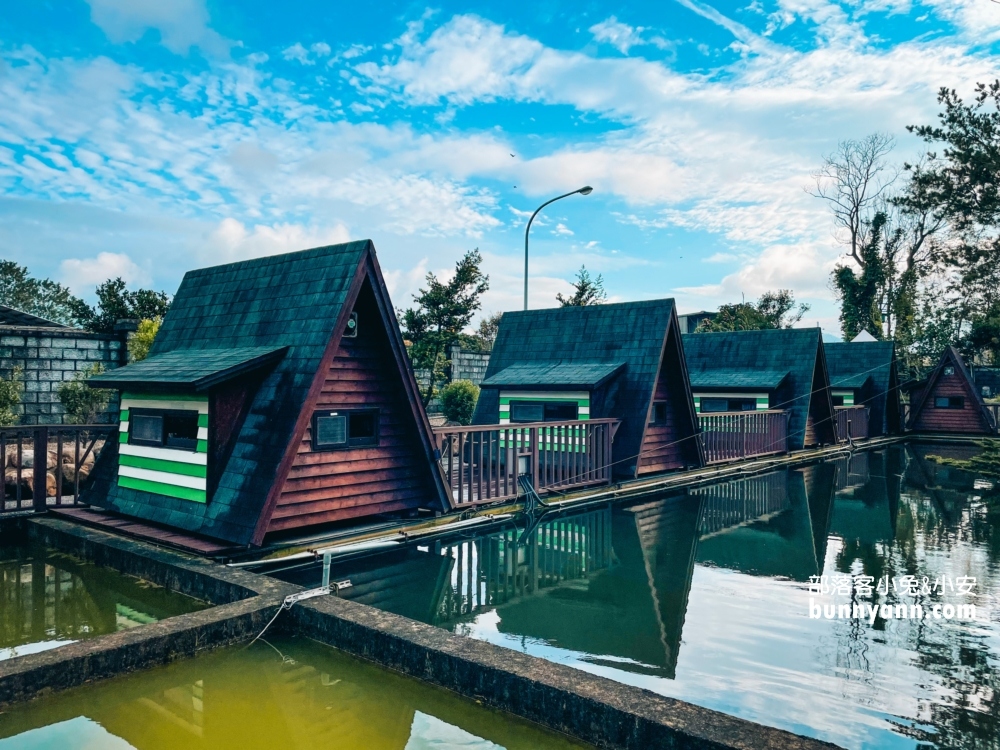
x=351, y=331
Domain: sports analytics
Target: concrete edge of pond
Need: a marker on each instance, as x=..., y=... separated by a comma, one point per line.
x=595, y=709
x=176, y=571
x=244, y=604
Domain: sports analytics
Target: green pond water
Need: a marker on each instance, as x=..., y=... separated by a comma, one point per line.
x=705, y=596
x=49, y=599
x=290, y=694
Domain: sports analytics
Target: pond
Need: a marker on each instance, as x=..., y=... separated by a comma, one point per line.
x=289, y=693
x=49, y=599
x=719, y=596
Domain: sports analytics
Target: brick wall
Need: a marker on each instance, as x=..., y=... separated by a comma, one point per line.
x=49, y=357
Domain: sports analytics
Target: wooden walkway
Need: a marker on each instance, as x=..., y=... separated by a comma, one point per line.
x=113, y=522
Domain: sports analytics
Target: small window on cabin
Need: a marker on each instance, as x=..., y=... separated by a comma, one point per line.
x=543, y=411
x=742, y=404
x=162, y=428
x=714, y=405
x=949, y=370
x=345, y=428
x=838, y=400
x=949, y=402
x=659, y=412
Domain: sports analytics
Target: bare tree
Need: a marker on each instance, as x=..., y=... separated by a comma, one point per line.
x=853, y=180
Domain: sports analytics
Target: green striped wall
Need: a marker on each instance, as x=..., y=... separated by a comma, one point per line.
x=164, y=471
x=848, y=397
x=761, y=398
x=581, y=398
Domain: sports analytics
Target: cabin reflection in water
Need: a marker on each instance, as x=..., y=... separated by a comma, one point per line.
x=48, y=599
x=613, y=584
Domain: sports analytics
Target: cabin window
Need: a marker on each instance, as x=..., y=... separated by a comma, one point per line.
x=659, y=412
x=345, y=428
x=949, y=402
x=949, y=370
x=716, y=405
x=838, y=400
x=164, y=428
x=543, y=411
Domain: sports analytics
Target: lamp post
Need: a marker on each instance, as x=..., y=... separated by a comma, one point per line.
x=585, y=190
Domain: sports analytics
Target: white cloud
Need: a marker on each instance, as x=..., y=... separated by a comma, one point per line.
x=298, y=53
x=623, y=37
x=182, y=23
x=82, y=274
x=231, y=240
x=563, y=230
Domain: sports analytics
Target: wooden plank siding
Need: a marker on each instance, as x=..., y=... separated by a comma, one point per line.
x=333, y=485
x=967, y=420
x=672, y=444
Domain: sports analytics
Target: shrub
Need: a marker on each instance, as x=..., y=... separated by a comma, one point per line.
x=10, y=397
x=140, y=341
x=82, y=403
x=458, y=401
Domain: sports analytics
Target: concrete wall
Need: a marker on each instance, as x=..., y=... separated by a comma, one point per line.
x=468, y=365
x=49, y=357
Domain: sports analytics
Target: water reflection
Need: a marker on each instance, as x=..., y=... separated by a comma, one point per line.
x=48, y=599
x=704, y=596
x=293, y=693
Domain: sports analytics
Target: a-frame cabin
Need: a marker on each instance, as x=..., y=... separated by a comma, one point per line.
x=866, y=373
x=948, y=400
x=777, y=369
x=277, y=395
x=622, y=361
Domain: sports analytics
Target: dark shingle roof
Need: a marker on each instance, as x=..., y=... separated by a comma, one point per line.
x=10, y=316
x=789, y=350
x=546, y=374
x=629, y=332
x=290, y=300
x=738, y=379
x=199, y=369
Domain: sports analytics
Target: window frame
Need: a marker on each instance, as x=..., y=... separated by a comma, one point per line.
x=950, y=399
x=191, y=444
x=544, y=404
x=656, y=417
x=949, y=370
x=351, y=443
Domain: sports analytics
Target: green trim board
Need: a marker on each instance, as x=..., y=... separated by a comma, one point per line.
x=164, y=471
x=158, y=488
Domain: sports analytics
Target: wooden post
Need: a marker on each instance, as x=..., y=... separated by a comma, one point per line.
x=41, y=451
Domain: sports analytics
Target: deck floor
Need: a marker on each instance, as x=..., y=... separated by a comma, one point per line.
x=140, y=530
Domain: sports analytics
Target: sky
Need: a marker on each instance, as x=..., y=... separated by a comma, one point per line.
x=142, y=138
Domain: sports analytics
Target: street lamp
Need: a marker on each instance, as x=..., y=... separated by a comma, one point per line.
x=585, y=190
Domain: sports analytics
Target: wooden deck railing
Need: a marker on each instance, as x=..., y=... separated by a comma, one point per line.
x=851, y=421
x=48, y=465
x=481, y=463
x=731, y=435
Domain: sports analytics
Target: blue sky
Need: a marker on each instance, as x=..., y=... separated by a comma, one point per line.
x=143, y=138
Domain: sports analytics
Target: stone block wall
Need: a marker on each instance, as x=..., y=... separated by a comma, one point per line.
x=468, y=365
x=48, y=357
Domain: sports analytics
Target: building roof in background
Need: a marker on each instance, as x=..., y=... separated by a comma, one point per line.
x=10, y=316
x=546, y=374
x=197, y=370
x=763, y=379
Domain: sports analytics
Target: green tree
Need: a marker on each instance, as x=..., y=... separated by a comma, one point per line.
x=443, y=310
x=486, y=334
x=115, y=302
x=140, y=342
x=82, y=403
x=772, y=310
x=42, y=297
x=586, y=291
x=10, y=397
x=458, y=401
